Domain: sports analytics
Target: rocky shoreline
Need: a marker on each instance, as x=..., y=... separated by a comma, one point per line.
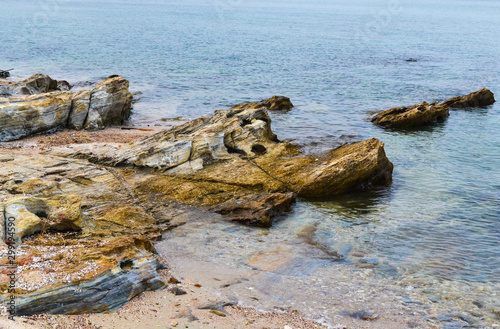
x=86, y=215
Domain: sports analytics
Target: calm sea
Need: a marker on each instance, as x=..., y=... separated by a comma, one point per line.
x=339, y=62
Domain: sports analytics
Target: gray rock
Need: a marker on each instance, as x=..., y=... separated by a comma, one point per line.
x=373, y=261
x=79, y=109
x=36, y=84
x=28, y=115
x=110, y=103
x=104, y=293
x=63, y=85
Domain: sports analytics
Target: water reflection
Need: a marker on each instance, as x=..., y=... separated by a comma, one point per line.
x=355, y=208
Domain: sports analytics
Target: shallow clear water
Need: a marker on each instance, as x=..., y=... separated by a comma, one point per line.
x=339, y=63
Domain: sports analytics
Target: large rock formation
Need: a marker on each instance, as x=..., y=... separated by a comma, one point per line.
x=412, y=116
x=109, y=103
x=423, y=114
x=36, y=84
x=94, y=209
x=480, y=98
x=28, y=115
x=234, y=158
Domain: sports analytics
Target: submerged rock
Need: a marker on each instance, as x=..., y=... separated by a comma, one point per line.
x=480, y=98
x=257, y=210
x=412, y=116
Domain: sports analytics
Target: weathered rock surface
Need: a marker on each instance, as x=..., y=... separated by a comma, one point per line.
x=275, y=103
x=423, y=114
x=233, y=161
x=28, y=115
x=93, y=209
x=412, y=116
x=109, y=103
x=103, y=293
x=36, y=84
x=480, y=98
x=79, y=109
x=34, y=214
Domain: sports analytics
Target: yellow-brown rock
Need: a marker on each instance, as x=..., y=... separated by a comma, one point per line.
x=28, y=115
x=413, y=116
x=480, y=98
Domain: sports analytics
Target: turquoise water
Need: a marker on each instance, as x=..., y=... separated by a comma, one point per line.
x=339, y=63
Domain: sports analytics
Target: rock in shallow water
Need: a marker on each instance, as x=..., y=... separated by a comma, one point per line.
x=480, y=98
x=275, y=103
x=412, y=116
x=424, y=114
x=232, y=161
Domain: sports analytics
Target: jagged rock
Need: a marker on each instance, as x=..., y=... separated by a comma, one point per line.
x=275, y=103
x=412, y=116
x=480, y=98
x=232, y=161
x=33, y=214
x=36, y=84
x=63, y=85
x=229, y=134
x=28, y=115
x=110, y=103
x=104, y=293
x=79, y=109
x=109, y=204
x=107, y=104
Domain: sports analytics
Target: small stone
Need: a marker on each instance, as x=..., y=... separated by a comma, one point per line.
x=218, y=313
x=177, y=291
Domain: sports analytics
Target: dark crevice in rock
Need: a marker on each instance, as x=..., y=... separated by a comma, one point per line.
x=88, y=111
